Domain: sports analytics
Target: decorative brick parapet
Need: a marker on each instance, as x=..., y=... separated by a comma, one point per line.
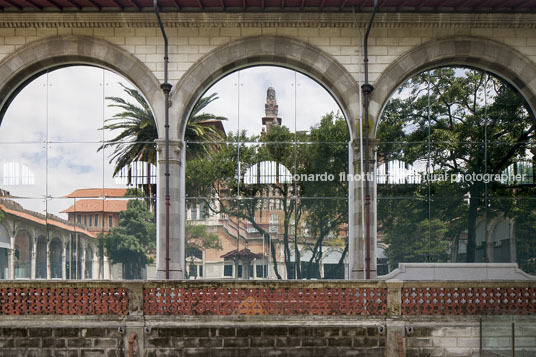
x=277, y=298
x=469, y=301
x=265, y=301
x=67, y=300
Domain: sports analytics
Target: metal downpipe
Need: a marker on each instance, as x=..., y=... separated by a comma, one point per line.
x=367, y=88
x=166, y=88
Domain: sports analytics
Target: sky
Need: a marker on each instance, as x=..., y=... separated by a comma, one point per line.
x=50, y=134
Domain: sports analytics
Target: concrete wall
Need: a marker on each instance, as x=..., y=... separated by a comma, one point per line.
x=314, y=319
x=192, y=36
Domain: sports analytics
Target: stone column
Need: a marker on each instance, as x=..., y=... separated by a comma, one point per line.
x=11, y=258
x=82, y=263
x=49, y=272
x=33, y=257
x=64, y=260
x=176, y=211
x=356, y=252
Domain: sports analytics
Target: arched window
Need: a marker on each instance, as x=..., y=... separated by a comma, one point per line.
x=267, y=161
x=455, y=150
x=76, y=143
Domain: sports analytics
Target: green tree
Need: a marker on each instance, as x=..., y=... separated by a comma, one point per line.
x=475, y=124
x=138, y=131
x=218, y=179
x=198, y=237
x=327, y=212
x=132, y=242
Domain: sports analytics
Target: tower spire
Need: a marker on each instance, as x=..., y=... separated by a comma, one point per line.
x=271, y=110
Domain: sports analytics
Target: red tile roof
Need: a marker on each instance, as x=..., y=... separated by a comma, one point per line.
x=40, y=219
x=97, y=206
x=97, y=192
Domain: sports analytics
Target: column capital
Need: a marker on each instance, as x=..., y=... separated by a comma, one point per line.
x=161, y=144
x=175, y=147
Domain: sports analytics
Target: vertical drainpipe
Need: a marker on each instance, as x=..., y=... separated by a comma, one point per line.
x=166, y=88
x=367, y=88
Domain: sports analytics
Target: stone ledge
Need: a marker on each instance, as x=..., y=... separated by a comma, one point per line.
x=459, y=272
x=197, y=20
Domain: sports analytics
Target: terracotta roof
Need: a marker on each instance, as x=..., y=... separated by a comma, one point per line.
x=244, y=254
x=97, y=192
x=97, y=206
x=34, y=217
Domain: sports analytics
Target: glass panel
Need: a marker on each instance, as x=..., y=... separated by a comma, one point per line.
x=265, y=223
x=212, y=232
x=512, y=231
x=72, y=166
x=75, y=104
x=322, y=170
x=220, y=101
x=266, y=170
x=322, y=236
x=402, y=169
x=311, y=113
x=513, y=169
x=30, y=214
x=259, y=172
x=57, y=255
x=211, y=170
x=113, y=88
x=23, y=122
x=133, y=219
x=134, y=175
x=403, y=226
x=267, y=99
x=23, y=169
x=448, y=226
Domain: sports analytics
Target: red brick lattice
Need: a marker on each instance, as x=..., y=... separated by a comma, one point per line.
x=468, y=301
x=265, y=301
x=63, y=301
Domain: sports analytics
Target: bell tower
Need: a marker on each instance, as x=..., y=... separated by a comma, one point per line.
x=271, y=110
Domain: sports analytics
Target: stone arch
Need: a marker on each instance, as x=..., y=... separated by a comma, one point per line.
x=32, y=59
x=56, y=258
x=41, y=257
x=264, y=50
x=242, y=53
x=23, y=254
x=89, y=256
x=482, y=53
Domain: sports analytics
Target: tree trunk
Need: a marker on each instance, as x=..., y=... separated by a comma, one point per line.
x=274, y=258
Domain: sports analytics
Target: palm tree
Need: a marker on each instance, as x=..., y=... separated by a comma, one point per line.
x=135, y=142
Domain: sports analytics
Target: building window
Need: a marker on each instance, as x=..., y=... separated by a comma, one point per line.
x=90, y=220
x=239, y=270
x=79, y=218
x=194, y=211
x=228, y=270
x=96, y=220
x=262, y=271
x=110, y=221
